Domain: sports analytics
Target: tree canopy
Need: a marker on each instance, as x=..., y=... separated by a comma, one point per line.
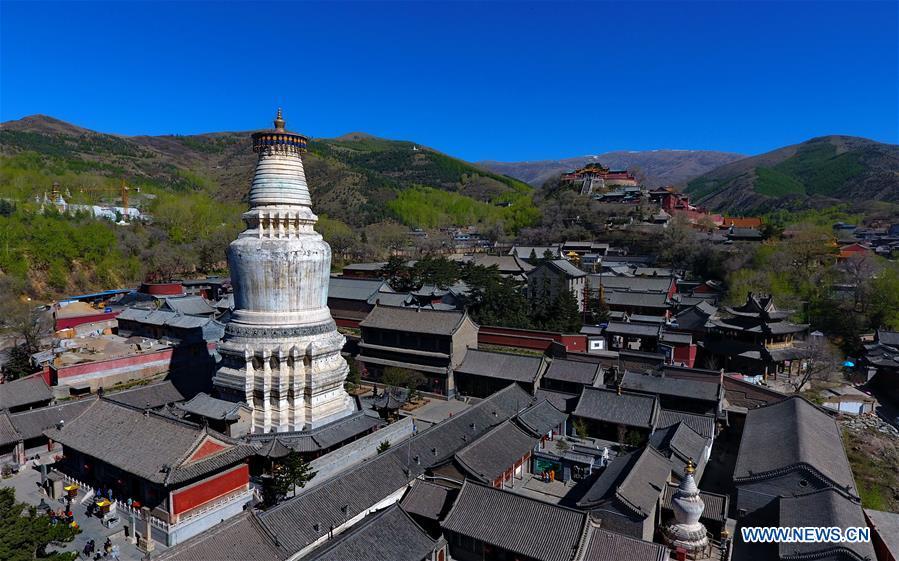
x=26, y=535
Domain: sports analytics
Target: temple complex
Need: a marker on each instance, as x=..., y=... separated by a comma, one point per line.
x=281, y=349
x=757, y=338
x=596, y=177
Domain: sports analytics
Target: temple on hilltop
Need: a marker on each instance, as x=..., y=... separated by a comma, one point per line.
x=756, y=339
x=281, y=349
x=595, y=177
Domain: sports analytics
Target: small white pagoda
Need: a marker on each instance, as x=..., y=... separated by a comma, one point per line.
x=687, y=532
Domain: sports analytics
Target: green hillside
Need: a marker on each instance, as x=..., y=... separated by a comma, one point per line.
x=194, y=188
x=821, y=170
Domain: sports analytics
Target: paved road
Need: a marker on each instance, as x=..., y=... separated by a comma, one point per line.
x=27, y=488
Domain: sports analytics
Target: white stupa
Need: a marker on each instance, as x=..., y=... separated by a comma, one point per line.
x=687, y=531
x=281, y=349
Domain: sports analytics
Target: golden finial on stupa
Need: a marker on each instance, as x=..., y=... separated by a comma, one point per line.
x=279, y=121
x=690, y=468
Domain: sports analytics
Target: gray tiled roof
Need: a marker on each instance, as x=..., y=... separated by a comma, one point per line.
x=562, y=401
x=633, y=329
x=508, y=264
x=680, y=443
x=792, y=434
x=516, y=523
x=415, y=320
x=150, y=396
x=704, y=425
x=376, y=266
x=426, y=500
x=24, y=391
x=886, y=525
x=163, y=317
x=634, y=284
x=348, y=288
x=497, y=451
x=323, y=437
x=630, y=409
x=637, y=299
x=389, y=534
x=585, y=373
x=540, y=418
x=679, y=387
x=190, y=305
x=635, y=480
x=147, y=445
x=524, y=251
x=744, y=394
x=602, y=545
x=366, y=484
x=890, y=338
x=565, y=267
x=8, y=434
x=239, y=538
x=505, y=366
x=676, y=338
x=824, y=508
x=207, y=406
x=31, y=424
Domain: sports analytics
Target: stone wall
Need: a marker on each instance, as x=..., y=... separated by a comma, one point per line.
x=356, y=452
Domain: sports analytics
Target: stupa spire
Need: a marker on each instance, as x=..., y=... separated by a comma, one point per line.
x=279, y=121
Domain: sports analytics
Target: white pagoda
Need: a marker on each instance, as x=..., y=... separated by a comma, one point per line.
x=687, y=532
x=281, y=349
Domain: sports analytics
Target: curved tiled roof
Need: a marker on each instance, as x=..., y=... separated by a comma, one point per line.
x=24, y=391
x=505, y=366
x=491, y=455
x=236, y=539
x=630, y=409
x=824, y=508
x=389, y=534
x=415, y=320
x=793, y=434
x=522, y=525
x=426, y=500
x=151, y=446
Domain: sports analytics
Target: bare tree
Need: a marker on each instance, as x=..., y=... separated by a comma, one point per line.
x=857, y=270
x=822, y=362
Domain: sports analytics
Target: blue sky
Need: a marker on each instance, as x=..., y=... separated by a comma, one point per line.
x=506, y=80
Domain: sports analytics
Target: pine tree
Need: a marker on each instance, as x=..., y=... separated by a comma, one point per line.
x=25, y=535
x=566, y=313
x=295, y=471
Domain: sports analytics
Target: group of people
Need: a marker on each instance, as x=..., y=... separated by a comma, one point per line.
x=109, y=550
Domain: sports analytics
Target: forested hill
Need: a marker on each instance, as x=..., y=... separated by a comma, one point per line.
x=193, y=187
x=815, y=173
x=358, y=179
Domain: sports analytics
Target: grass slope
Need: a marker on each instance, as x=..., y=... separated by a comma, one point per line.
x=820, y=171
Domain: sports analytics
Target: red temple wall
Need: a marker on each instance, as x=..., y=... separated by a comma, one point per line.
x=209, y=489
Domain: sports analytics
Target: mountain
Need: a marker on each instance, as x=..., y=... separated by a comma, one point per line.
x=819, y=171
x=657, y=167
x=356, y=178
